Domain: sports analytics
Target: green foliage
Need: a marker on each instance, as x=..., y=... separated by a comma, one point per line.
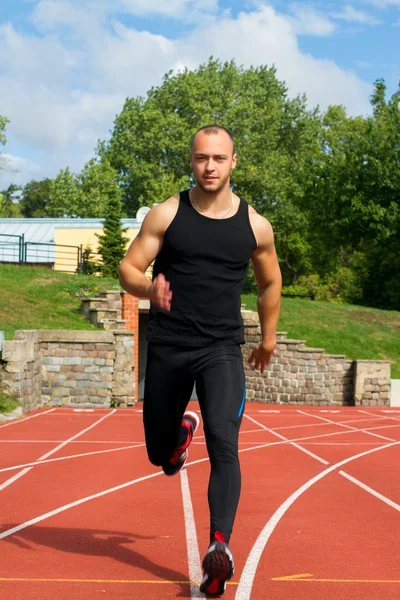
x=35, y=198
x=7, y=403
x=9, y=206
x=98, y=184
x=3, y=125
x=150, y=144
x=65, y=196
x=112, y=243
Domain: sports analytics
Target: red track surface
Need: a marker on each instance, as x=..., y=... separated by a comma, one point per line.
x=313, y=522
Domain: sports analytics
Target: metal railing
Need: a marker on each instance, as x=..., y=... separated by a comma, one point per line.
x=60, y=257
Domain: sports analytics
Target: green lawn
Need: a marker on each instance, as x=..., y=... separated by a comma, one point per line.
x=356, y=331
x=38, y=298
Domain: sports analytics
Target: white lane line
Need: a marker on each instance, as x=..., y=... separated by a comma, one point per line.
x=247, y=578
x=349, y=427
x=24, y=471
x=16, y=421
x=385, y=416
x=192, y=545
x=322, y=424
x=371, y=491
x=61, y=509
x=286, y=440
x=51, y=460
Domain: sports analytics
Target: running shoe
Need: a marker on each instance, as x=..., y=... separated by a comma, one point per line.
x=217, y=566
x=190, y=422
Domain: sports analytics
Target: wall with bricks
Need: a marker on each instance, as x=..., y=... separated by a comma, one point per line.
x=301, y=375
x=70, y=368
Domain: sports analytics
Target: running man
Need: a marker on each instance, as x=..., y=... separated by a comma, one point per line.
x=202, y=240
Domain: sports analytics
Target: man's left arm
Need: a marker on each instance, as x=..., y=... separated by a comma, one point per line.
x=269, y=282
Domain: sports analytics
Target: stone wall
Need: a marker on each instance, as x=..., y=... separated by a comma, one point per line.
x=301, y=375
x=69, y=368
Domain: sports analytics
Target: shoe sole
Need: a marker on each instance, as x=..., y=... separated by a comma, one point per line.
x=218, y=569
x=196, y=419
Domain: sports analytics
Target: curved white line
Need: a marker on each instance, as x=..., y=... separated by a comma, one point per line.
x=243, y=591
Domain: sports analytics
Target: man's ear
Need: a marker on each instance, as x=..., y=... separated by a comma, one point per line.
x=234, y=161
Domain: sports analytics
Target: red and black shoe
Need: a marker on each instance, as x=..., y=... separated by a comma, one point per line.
x=190, y=422
x=218, y=567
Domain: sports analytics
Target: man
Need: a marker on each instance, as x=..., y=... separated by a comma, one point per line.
x=202, y=241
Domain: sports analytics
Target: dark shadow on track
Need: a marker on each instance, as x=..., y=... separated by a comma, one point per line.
x=92, y=542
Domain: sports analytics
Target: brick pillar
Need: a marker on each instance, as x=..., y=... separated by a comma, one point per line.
x=130, y=314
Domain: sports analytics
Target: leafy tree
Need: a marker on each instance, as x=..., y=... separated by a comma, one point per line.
x=112, y=242
x=277, y=138
x=65, y=196
x=98, y=183
x=9, y=202
x=35, y=198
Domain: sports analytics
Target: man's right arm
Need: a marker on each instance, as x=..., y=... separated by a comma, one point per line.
x=142, y=252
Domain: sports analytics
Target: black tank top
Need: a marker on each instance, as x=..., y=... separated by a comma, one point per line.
x=205, y=260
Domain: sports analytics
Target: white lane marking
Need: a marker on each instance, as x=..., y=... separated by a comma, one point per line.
x=269, y=411
x=286, y=440
x=364, y=420
x=371, y=491
x=349, y=427
x=16, y=421
x=61, y=509
x=380, y=416
x=24, y=471
x=245, y=586
x=51, y=460
x=192, y=545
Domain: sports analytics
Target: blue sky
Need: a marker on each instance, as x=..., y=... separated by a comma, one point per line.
x=66, y=66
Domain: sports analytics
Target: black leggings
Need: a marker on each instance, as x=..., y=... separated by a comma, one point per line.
x=220, y=385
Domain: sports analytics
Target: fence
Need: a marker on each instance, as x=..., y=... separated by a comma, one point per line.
x=60, y=257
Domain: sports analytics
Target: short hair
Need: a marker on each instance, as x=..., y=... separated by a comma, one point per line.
x=214, y=129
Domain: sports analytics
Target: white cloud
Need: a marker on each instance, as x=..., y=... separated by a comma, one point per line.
x=66, y=84
x=350, y=14
x=17, y=170
x=306, y=20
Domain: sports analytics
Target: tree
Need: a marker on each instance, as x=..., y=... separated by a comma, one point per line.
x=35, y=198
x=277, y=139
x=354, y=192
x=65, y=195
x=112, y=242
x=98, y=183
x=9, y=202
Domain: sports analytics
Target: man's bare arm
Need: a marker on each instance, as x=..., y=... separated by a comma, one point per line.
x=269, y=281
x=142, y=252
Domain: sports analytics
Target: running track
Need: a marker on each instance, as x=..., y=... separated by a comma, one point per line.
x=84, y=515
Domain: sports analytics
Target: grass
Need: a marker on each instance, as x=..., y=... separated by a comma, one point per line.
x=38, y=298
x=7, y=404
x=356, y=331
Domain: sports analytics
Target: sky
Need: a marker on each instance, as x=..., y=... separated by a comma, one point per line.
x=67, y=66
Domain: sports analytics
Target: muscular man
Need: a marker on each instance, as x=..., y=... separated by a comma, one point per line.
x=202, y=241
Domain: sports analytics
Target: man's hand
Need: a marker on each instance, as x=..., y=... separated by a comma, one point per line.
x=261, y=356
x=160, y=294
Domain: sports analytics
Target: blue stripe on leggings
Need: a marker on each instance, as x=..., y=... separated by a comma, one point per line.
x=243, y=401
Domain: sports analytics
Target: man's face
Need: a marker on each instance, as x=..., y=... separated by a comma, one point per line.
x=211, y=160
